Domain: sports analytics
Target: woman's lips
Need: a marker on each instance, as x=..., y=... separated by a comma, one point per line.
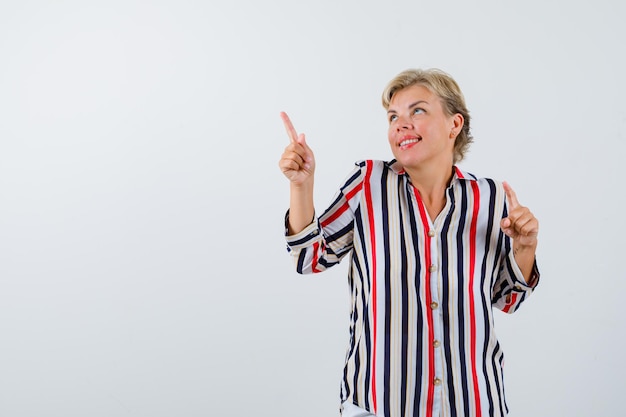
x=405, y=142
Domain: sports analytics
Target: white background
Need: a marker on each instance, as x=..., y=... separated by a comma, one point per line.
x=143, y=271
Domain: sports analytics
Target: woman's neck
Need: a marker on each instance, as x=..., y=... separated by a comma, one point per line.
x=431, y=184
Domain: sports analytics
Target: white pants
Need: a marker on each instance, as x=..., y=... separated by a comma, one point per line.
x=351, y=410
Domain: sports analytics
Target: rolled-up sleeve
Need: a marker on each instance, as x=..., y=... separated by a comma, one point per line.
x=324, y=242
x=511, y=289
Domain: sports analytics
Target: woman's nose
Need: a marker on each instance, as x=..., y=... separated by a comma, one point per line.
x=404, y=123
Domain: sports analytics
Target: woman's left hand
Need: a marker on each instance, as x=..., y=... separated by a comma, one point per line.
x=523, y=227
x=520, y=225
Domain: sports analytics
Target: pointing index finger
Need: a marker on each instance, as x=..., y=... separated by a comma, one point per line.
x=510, y=195
x=291, y=131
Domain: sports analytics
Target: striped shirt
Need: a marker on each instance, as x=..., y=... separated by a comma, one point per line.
x=422, y=340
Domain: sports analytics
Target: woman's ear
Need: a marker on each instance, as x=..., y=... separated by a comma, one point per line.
x=457, y=125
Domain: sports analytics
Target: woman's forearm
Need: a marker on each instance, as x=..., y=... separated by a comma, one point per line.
x=301, y=207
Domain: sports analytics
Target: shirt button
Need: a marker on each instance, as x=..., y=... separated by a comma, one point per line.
x=432, y=268
x=436, y=343
x=431, y=233
x=434, y=305
x=437, y=381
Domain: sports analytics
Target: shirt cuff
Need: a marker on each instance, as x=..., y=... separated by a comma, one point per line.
x=520, y=281
x=305, y=237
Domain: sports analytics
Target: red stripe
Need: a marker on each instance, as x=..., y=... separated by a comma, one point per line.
x=510, y=303
x=355, y=190
x=472, y=266
x=343, y=208
x=429, y=311
x=316, y=246
x=370, y=219
x=335, y=215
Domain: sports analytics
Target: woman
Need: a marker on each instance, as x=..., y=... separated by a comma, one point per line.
x=432, y=249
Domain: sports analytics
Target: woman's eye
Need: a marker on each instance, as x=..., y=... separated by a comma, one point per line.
x=393, y=118
x=418, y=110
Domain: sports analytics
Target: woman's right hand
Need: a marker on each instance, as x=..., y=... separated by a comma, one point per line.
x=297, y=161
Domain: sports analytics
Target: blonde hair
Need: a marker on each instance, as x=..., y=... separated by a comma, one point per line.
x=444, y=86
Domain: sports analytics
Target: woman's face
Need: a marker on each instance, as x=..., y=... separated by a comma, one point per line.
x=420, y=131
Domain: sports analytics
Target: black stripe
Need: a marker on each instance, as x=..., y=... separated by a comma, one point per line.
x=304, y=240
x=445, y=301
x=340, y=233
x=301, y=258
x=461, y=295
x=325, y=263
x=483, y=277
x=366, y=290
x=357, y=371
x=368, y=352
x=496, y=265
x=496, y=360
x=501, y=243
x=506, y=407
x=387, y=330
x=421, y=344
x=354, y=318
x=405, y=299
x=366, y=336
x=357, y=173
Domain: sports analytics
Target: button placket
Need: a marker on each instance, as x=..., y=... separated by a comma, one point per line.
x=433, y=269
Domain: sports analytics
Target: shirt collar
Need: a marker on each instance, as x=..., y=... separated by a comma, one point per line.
x=459, y=174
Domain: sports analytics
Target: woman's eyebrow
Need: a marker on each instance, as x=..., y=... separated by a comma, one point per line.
x=410, y=106
x=416, y=103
